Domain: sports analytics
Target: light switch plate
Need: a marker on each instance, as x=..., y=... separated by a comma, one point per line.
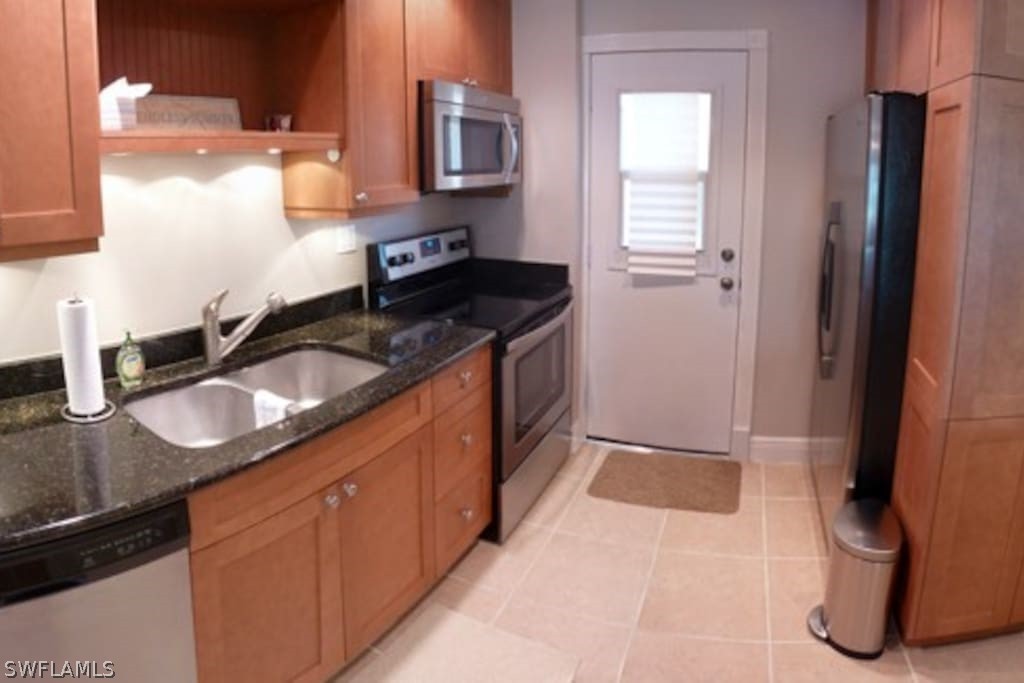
x=345, y=239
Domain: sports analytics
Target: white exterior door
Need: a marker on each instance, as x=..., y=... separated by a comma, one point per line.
x=667, y=141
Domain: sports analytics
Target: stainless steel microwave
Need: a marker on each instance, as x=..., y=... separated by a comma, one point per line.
x=471, y=137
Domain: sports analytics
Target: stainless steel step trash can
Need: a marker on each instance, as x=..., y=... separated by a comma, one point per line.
x=866, y=542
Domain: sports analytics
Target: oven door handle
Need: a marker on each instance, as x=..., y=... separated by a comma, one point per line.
x=521, y=345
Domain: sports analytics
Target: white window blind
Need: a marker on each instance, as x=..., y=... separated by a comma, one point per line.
x=664, y=155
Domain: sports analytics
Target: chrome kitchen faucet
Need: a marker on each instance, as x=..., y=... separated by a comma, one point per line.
x=217, y=347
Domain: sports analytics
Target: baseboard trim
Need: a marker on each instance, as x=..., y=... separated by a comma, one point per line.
x=780, y=449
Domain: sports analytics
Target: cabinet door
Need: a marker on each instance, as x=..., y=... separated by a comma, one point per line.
x=436, y=39
x=978, y=535
x=49, y=125
x=386, y=527
x=941, y=244
x=382, y=124
x=990, y=356
x=489, y=44
x=915, y=34
x=267, y=601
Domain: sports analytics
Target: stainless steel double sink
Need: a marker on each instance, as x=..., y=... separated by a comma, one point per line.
x=218, y=409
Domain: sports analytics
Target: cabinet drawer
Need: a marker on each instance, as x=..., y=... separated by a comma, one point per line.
x=461, y=516
x=462, y=440
x=462, y=378
x=242, y=500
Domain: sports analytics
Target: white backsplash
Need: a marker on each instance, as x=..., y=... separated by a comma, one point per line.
x=177, y=229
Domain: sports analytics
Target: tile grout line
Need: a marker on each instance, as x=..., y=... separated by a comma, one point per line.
x=643, y=597
x=551, y=531
x=906, y=658
x=767, y=575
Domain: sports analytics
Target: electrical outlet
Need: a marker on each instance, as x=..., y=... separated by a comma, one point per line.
x=345, y=239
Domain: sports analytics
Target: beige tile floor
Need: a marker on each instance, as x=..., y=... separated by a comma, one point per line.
x=639, y=594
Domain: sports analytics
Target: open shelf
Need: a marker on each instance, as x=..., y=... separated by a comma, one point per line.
x=170, y=141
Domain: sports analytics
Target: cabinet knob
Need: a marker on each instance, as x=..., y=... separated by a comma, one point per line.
x=467, y=440
x=350, y=489
x=467, y=514
x=466, y=81
x=465, y=377
x=473, y=82
x=362, y=197
x=332, y=500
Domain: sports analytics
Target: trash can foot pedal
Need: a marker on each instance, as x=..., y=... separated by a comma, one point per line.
x=816, y=625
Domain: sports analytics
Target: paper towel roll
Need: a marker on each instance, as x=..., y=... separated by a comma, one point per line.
x=83, y=376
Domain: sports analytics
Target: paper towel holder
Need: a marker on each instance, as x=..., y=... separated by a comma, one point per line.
x=108, y=411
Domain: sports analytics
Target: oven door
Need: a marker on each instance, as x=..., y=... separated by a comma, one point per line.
x=536, y=387
x=467, y=147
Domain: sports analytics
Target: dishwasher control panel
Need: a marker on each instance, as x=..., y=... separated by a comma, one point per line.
x=92, y=554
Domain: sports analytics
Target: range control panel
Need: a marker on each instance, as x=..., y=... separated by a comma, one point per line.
x=401, y=259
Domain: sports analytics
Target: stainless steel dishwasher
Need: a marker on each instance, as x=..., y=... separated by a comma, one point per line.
x=111, y=602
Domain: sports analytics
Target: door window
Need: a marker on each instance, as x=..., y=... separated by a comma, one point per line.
x=664, y=161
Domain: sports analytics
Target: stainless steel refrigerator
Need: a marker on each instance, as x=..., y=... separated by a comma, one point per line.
x=868, y=243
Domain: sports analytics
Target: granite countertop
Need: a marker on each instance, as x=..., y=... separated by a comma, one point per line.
x=57, y=478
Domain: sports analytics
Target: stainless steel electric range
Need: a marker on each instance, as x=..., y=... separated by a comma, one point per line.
x=529, y=306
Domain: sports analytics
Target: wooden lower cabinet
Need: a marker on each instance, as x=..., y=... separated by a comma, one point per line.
x=461, y=515
x=299, y=564
x=267, y=601
x=386, y=536
x=964, y=576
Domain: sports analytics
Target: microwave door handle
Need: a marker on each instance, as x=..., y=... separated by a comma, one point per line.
x=512, y=141
x=521, y=345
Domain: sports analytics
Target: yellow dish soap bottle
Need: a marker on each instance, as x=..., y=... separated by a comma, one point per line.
x=130, y=363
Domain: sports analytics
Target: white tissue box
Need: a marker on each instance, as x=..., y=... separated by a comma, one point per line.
x=118, y=113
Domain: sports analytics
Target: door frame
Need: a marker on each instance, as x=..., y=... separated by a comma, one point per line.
x=755, y=44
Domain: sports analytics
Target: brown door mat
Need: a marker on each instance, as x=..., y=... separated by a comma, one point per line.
x=668, y=480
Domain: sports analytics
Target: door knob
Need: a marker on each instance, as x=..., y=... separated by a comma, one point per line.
x=728, y=255
x=727, y=283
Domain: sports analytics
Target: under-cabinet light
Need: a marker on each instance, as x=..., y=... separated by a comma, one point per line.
x=274, y=150
x=202, y=150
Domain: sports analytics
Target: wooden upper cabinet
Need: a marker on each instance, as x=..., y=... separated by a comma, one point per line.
x=49, y=128
x=900, y=37
x=437, y=31
x=941, y=245
x=489, y=44
x=387, y=538
x=463, y=41
x=990, y=354
x=976, y=37
x=379, y=166
x=267, y=601
x=977, y=543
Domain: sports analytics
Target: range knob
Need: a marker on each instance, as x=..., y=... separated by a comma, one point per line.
x=408, y=257
x=394, y=261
